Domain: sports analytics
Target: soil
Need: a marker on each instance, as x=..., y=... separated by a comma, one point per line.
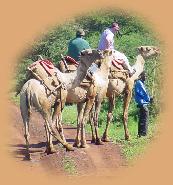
x=96, y=159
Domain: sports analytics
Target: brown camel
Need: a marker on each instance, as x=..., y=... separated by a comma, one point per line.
x=80, y=96
x=34, y=94
x=120, y=83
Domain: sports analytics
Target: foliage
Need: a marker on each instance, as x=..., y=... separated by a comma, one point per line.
x=135, y=32
x=54, y=43
x=131, y=149
x=69, y=165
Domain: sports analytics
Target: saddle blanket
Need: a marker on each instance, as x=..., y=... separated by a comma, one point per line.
x=46, y=64
x=119, y=59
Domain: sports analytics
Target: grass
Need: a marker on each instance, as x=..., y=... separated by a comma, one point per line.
x=69, y=165
x=14, y=98
x=131, y=149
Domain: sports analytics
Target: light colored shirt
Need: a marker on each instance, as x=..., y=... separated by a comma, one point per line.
x=106, y=40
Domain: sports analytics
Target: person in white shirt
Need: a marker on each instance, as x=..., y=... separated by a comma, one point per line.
x=107, y=37
x=107, y=42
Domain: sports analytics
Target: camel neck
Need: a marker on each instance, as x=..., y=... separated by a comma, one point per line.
x=101, y=76
x=138, y=66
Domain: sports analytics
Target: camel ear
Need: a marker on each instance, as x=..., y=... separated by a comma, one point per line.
x=140, y=48
x=148, y=49
x=106, y=51
x=89, y=51
x=82, y=52
x=110, y=52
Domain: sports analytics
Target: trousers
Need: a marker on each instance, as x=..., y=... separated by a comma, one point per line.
x=120, y=56
x=143, y=120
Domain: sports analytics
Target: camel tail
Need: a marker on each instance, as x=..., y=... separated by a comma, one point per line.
x=25, y=103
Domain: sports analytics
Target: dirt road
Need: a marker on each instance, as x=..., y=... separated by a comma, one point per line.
x=98, y=160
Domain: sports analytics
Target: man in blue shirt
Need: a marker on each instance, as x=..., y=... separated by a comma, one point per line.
x=142, y=99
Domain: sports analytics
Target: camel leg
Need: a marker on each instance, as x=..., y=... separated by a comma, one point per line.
x=91, y=121
x=127, y=98
x=60, y=127
x=27, y=136
x=80, y=109
x=87, y=109
x=96, y=114
x=25, y=113
x=57, y=119
x=49, y=148
x=52, y=131
x=105, y=137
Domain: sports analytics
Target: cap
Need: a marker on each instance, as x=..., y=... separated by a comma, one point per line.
x=80, y=32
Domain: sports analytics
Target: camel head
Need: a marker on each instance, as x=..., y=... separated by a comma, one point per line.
x=98, y=57
x=88, y=57
x=145, y=52
x=148, y=51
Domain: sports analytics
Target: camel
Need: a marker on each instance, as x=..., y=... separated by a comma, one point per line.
x=80, y=94
x=120, y=83
x=35, y=95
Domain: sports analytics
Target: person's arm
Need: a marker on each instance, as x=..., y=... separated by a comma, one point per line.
x=142, y=92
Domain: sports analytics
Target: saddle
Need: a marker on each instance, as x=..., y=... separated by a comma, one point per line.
x=117, y=70
x=67, y=64
x=44, y=71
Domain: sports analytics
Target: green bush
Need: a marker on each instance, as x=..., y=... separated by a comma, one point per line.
x=135, y=33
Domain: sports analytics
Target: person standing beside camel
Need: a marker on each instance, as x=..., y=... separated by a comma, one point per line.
x=107, y=42
x=142, y=99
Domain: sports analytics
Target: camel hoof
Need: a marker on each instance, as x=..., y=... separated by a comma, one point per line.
x=28, y=157
x=69, y=147
x=106, y=139
x=76, y=144
x=99, y=142
x=93, y=140
x=50, y=151
x=84, y=146
x=127, y=138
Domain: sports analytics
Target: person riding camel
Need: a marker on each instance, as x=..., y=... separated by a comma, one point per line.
x=75, y=47
x=77, y=44
x=107, y=42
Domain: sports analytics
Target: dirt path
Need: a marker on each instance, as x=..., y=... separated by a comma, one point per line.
x=98, y=160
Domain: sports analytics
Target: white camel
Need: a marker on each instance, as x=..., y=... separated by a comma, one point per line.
x=120, y=83
x=34, y=94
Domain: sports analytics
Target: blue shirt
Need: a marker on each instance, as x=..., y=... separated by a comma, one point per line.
x=141, y=95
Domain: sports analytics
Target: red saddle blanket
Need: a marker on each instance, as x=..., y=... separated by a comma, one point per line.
x=118, y=63
x=46, y=64
x=71, y=60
